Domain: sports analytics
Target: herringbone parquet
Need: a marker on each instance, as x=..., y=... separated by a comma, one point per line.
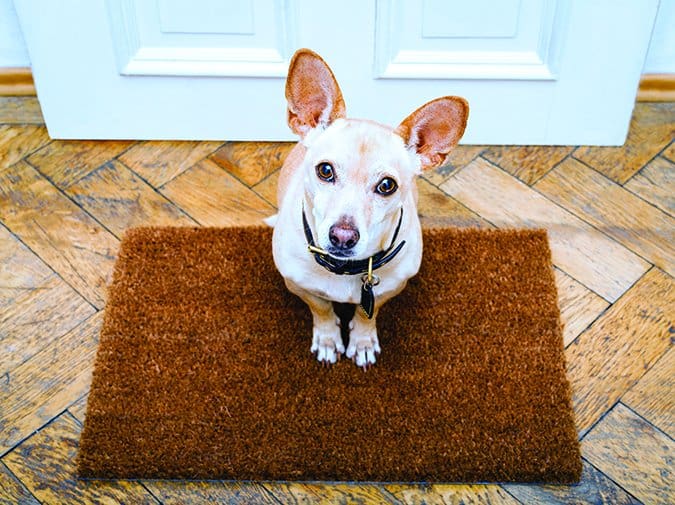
x=609, y=211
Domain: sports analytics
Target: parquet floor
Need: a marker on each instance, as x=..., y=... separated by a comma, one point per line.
x=609, y=212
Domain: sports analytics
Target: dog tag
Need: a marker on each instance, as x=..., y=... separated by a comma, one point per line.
x=367, y=299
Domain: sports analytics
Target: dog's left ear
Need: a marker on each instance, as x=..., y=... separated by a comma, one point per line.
x=434, y=129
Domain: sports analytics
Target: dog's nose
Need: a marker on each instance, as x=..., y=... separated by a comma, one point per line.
x=344, y=234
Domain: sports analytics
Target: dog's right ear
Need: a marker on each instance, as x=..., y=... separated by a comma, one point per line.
x=314, y=97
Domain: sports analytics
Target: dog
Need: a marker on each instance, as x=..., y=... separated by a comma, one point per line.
x=347, y=233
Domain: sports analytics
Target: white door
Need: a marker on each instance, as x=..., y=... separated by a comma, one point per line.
x=534, y=71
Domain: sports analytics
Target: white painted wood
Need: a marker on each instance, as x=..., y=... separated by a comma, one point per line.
x=661, y=54
x=454, y=39
x=201, y=38
x=534, y=72
x=468, y=20
x=205, y=16
x=13, y=51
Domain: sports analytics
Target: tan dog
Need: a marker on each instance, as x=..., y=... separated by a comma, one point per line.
x=347, y=231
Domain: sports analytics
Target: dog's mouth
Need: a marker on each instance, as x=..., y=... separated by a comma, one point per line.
x=336, y=252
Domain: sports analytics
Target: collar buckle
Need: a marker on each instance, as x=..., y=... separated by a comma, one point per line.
x=316, y=250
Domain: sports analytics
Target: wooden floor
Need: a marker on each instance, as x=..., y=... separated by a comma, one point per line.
x=609, y=212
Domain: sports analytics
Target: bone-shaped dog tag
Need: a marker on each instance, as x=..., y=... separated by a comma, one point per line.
x=367, y=299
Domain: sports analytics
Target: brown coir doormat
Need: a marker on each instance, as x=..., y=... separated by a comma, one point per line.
x=204, y=369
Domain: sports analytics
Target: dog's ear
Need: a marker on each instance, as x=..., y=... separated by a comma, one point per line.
x=434, y=129
x=314, y=97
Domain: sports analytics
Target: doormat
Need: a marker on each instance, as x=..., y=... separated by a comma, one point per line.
x=204, y=369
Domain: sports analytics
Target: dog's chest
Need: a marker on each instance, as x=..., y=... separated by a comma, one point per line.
x=346, y=288
x=332, y=287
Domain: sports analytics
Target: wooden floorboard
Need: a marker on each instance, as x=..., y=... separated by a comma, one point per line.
x=608, y=212
x=12, y=490
x=213, y=197
x=64, y=236
x=652, y=397
x=45, y=385
x=21, y=110
x=594, y=488
x=575, y=244
x=18, y=141
x=436, y=209
x=160, y=161
x=613, y=210
x=180, y=493
x=64, y=162
x=460, y=157
x=267, y=188
x=120, y=199
x=78, y=409
x=615, y=352
x=36, y=306
x=45, y=464
x=669, y=152
x=451, y=493
x=243, y=159
x=299, y=492
x=629, y=450
x=654, y=184
x=579, y=306
x=527, y=163
x=651, y=130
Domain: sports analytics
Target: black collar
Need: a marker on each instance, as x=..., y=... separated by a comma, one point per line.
x=352, y=267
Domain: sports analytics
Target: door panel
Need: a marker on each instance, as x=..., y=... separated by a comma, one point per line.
x=534, y=71
x=520, y=39
x=233, y=38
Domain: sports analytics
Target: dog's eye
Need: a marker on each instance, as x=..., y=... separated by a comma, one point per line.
x=325, y=172
x=386, y=186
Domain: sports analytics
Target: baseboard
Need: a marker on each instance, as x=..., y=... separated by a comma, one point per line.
x=16, y=81
x=656, y=88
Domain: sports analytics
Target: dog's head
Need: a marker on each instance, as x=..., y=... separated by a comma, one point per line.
x=358, y=174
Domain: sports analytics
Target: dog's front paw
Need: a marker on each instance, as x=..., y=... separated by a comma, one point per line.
x=327, y=344
x=363, y=349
